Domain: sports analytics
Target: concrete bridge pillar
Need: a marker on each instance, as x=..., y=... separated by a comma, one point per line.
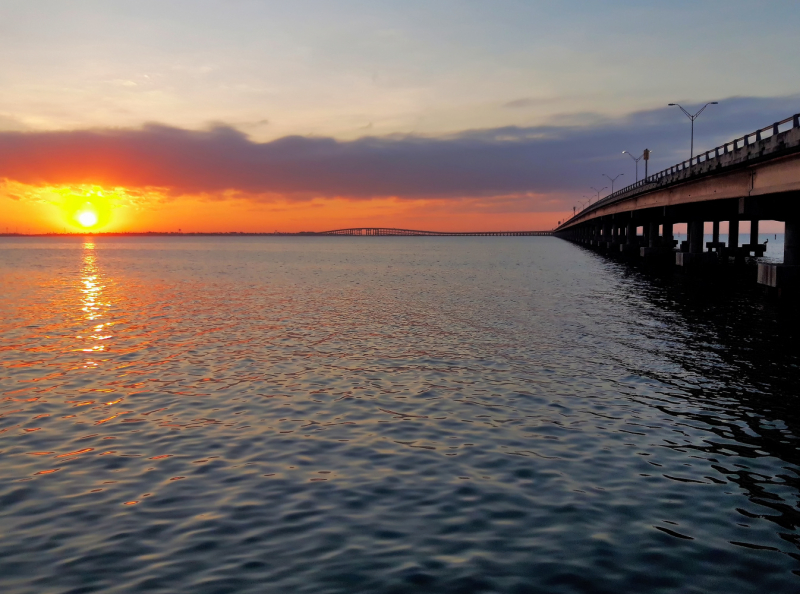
x=667, y=237
x=755, y=247
x=630, y=233
x=653, y=235
x=733, y=234
x=786, y=275
x=715, y=244
x=694, y=242
x=695, y=233
x=791, y=243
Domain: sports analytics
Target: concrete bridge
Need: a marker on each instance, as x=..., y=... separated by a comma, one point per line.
x=752, y=178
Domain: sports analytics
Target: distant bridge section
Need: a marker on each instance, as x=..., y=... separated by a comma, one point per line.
x=389, y=231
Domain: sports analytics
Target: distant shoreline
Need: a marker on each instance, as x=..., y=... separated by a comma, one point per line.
x=404, y=233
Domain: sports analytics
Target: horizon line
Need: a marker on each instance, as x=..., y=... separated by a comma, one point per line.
x=346, y=232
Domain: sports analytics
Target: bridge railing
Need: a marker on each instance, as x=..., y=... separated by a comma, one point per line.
x=724, y=149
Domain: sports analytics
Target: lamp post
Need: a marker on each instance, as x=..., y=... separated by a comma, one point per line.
x=636, y=160
x=613, y=179
x=693, y=118
x=598, y=191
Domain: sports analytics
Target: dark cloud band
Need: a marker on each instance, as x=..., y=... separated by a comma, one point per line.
x=479, y=163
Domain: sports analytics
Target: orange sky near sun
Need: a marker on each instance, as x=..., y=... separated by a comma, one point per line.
x=28, y=209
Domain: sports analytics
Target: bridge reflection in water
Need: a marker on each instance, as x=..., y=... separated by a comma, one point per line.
x=753, y=178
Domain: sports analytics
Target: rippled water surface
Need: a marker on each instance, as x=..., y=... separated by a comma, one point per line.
x=510, y=414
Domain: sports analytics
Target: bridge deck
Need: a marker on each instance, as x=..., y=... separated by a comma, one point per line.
x=759, y=163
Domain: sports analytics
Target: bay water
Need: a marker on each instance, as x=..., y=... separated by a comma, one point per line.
x=389, y=414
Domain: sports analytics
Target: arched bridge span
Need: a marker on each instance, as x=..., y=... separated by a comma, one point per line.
x=389, y=231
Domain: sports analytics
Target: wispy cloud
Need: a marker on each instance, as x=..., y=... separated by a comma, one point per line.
x=531, y=102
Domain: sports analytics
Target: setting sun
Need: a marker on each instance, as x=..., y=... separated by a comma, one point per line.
x=86, y=207
x=87, y=218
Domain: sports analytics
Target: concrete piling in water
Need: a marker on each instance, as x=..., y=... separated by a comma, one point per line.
x=715, y=245
x=653, y=234
x=787, y=275
x=629, y=246
x=791, y=243
x=694, y=239
x=651, y=245
x=733, y=242
x=667, y=235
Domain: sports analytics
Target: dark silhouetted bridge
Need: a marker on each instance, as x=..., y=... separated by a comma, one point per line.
x=753, y=178
x=363, y=231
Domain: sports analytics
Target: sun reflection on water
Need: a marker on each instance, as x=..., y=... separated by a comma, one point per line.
x=92, y=306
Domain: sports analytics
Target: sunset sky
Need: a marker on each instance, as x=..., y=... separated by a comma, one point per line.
x=243, y=115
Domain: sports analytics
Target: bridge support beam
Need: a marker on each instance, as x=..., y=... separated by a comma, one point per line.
x=733, y=241
x=786, y=275
x=694, y=239
x=667, y=235
x=755, y=247
x=630, y=237
x=791, y=243
x=651, y=239
x=607, y=233
x=715, y=245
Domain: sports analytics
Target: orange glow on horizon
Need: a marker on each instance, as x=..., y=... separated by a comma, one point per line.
x=86, y=208
x=81, y=208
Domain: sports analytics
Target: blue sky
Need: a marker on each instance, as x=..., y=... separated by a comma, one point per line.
x=348, y=68
x=544, y=94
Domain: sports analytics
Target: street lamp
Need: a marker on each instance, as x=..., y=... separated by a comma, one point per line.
x=613, y=179
x=693, y=118
x=598, y=191
x=636, y=160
